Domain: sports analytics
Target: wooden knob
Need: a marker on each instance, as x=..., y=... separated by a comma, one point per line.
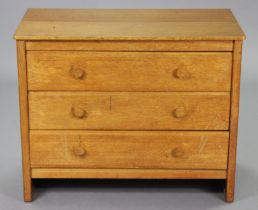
x=178, y=152
x=179, y=112
x=78, y=112
x=79, y=151
x=181, y=74
x=77, y=73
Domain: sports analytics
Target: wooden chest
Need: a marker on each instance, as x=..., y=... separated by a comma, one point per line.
x=146, y=94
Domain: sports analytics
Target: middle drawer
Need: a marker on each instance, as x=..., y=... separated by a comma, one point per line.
x=129, y=111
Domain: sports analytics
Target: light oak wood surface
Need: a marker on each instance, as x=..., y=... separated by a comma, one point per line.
x=129, y=71
x=136, y=45
x=230, y=183
x=129, y=149
x=130, y=93
x=24, y=120
x=119, y=111
x=129, y=24
x=82, y=173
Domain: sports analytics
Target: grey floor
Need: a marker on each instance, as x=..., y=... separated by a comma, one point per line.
x=99, y=195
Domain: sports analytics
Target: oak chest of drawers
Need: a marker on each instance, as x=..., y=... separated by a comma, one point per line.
x=146, y=94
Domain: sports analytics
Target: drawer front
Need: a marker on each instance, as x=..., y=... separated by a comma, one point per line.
x=129, y=71
x=124, y=149
x=130, y=111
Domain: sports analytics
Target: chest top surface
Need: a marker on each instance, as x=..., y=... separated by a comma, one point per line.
x=129, y=24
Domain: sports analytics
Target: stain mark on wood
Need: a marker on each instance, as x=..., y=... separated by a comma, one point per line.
x=66, y=147
x=202, y=144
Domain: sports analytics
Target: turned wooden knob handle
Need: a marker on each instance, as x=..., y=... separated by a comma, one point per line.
x=178, y=152
x=79, y=151
x=78, y=112
x=181, y=74
x=179, y=112
x=77, y=73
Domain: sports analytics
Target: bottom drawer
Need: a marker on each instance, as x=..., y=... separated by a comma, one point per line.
x=128, y=149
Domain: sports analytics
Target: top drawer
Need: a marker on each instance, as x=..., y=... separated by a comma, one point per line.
x=129, y=71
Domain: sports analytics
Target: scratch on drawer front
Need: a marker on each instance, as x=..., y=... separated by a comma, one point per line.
x=202, y=144
x=110, y=103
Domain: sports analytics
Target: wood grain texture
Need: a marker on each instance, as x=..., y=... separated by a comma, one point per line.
x=129, y=24
x=57, y=173
x=129, y=71
x=129, y=149
x=24, y=120
x=129, y=93
x=135, y=45
x=126, y=111
x=230, y=183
